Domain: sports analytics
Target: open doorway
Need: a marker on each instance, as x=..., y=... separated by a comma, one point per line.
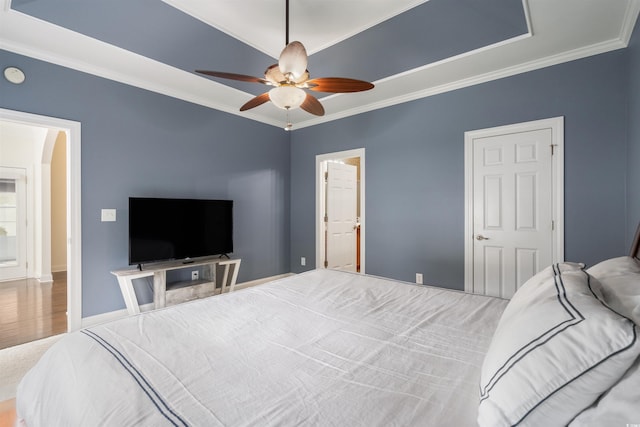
x=48, y=151
x=340, y=210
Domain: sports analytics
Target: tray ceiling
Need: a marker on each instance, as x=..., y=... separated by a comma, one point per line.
x=408, y=48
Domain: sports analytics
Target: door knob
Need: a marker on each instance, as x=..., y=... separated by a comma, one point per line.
x=481, y=237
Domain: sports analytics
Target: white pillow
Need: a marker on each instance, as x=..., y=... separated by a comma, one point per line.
x=620, y=278
x=557, y=348
x=612, y=267
x=619, y=406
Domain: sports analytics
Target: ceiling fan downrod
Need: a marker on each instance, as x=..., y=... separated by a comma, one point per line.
x=286, y=23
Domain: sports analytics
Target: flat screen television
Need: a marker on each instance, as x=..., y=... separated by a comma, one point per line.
x=163, y=229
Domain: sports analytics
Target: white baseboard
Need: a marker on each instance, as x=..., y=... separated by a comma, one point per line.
x=119, y=314
x=58, y=268
x=111, y=315
x=262, y=281
x=45, y=278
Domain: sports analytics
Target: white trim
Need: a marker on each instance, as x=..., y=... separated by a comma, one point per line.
x=262, y=281
x=320, y=159
x=110, y=316
x=58, y=268
x=31, y=256
x=43, y=208
x=630, y=18
x=575, y=54
x=35, y=38
x=38, y=39
x=74, y=213
x=556, y=125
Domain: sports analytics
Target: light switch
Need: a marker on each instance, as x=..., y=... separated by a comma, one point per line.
x=108, y=215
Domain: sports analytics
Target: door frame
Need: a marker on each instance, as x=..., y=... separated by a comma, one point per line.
x=556, y=124
x=74, y=214
x=320, y=192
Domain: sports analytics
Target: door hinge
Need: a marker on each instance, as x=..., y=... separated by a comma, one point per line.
x=326, y=176
x=326, y=218
x=326, y=263
x=553, y=148
x=553, y=225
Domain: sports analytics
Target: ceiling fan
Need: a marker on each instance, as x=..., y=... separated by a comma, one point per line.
x=289, y=77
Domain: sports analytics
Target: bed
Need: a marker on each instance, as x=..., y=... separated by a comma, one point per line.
x=330, y=348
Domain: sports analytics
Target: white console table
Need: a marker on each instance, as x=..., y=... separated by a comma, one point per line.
x=165, y=294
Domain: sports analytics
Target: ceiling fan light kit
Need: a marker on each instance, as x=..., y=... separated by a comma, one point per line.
x=287, y=97
x=290, y=76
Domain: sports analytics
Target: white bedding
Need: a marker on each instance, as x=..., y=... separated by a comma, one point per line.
x=320, y=348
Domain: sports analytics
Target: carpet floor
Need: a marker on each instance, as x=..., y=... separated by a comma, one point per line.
x=16, y=361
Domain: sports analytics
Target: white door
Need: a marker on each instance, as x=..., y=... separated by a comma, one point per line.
x=341, y=216
x=13, y=224
x=513, y=200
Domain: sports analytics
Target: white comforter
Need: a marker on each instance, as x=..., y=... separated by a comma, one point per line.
x=322, y=348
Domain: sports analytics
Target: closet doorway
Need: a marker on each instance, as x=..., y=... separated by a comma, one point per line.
x=340, y=210
x=514, y=211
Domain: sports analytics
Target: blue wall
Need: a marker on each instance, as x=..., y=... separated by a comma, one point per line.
x=135, y=142
x=415, y=167
x=138, y=143
x=633, y=158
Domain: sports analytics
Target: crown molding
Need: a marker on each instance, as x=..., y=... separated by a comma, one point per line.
x=29, y=36
x=467, y=82
x=630, y=18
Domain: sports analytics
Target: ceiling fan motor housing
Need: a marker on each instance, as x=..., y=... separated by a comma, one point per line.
x=293, y=61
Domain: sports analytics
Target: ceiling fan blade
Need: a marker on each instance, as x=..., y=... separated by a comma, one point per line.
x=233, y=76
x=312, y=105
x=254, y=102
x=338, y=85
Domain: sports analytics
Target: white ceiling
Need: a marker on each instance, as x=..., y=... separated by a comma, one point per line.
x=11, y=131
x=559, y=31
x=261, y=23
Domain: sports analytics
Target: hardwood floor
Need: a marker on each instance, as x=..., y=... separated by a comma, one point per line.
x=8, y=413
x=30, y=310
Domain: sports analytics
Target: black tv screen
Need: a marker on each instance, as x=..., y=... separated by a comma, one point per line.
x=162, y=229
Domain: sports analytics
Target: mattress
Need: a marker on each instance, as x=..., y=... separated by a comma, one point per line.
x=319, y=348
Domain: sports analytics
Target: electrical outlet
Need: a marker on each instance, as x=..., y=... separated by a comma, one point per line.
x=303, y=261
x=419, y=278
x=195, y=275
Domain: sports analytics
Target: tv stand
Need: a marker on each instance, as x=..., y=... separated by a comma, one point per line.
x=165, y=294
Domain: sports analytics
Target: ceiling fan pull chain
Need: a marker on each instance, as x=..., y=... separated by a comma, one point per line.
x=289, y=125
